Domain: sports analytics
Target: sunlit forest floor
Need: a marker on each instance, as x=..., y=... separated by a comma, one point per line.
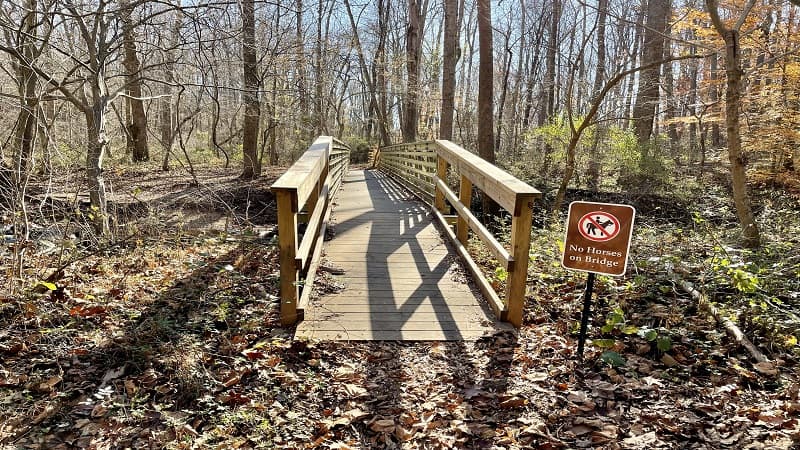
x=168, y=337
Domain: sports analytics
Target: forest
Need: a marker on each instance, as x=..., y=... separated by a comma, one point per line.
x=139, y=306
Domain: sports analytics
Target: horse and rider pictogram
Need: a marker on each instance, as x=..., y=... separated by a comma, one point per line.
x=599, y=226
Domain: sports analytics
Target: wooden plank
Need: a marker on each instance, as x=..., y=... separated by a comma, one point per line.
x=354, y=296
x=347, y=323
x=399, y=335
x=409, y=315
x=403, y=284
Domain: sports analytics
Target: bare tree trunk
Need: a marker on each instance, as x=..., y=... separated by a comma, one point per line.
x=370, y=81
x=321, y=124
x=509, y=55
x=716, y=135
x=644, y=109
x=300, y=71
x=25, y=132
x=549, y=84
x=449, y=68
x=96, y=144
x=733, y=93
x=137, y=128
x=486, y=93
x=593, y=171
x=252, y=108
x=416, y=22
x=637, y=41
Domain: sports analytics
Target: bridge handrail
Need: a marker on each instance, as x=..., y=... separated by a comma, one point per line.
x=303, y=194
x=423, y=167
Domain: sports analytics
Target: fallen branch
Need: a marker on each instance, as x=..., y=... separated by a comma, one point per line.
x=706, y=306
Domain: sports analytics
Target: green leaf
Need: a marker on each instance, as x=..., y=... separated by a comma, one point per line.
x=603, y=343
x=664, y=344
x=651, y=335
x=48, y=285
x=614, y=359
x=630, y=329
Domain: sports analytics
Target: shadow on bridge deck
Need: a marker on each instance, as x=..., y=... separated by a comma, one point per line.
x=402, y=281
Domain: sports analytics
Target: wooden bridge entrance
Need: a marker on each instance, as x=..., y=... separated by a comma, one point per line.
x=403, y=277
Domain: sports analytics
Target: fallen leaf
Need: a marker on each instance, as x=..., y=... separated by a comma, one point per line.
x=50, y=384
x=669, y=361
x=513, y=402
x=382, y=426
x=113, y=374
x=767, y=368
x=354, y=391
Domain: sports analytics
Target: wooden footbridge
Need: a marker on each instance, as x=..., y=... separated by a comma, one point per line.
x=400, y=257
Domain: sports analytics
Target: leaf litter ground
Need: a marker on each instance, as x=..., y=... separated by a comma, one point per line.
x=172, y=340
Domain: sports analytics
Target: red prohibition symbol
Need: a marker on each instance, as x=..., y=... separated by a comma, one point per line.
x=599, y=226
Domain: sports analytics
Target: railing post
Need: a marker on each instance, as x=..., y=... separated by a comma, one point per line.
x=287, y=242
x=465, y=197
x=520, y=251
x=441, y=173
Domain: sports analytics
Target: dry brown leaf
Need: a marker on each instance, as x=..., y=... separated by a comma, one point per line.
x=382, y=426
x=354, y=391
x=130, y=388
x=767, y=368
x=49, y=384
x=513, y=402
x=403, y=434
x=669, y=361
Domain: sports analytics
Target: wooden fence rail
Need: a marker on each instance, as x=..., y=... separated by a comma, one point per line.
x=423, y=167
x=303, y=194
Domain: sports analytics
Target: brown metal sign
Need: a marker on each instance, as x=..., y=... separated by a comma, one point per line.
x=598, y=237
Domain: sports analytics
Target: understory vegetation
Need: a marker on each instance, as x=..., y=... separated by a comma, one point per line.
x=167, y=335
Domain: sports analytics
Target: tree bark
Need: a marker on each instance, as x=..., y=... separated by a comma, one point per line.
x=413, y=56
x=449, y=68
x=593, y=171
x=137, y=128
x=549, y=83
x=300, y=71
x=252, y=108
x=486, y=93
x=647, y=96
x=25, y=127
x=733, y=92
x=369, y=80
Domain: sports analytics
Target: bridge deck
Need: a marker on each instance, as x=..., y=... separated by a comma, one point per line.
x=401, y=281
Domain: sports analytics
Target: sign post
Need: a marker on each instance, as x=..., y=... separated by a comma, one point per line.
x=597, y=240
